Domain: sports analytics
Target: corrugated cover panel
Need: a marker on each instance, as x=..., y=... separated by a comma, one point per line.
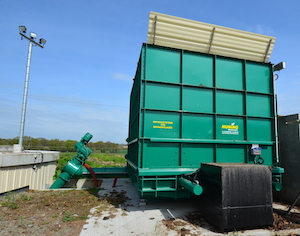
x=175, y=32
x=16, y=177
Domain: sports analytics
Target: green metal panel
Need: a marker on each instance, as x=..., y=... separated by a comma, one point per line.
x=160, y=155
x=161, y=124
x=258, y=78
x=162, y=96
x=133, y=151
x=229, y=102
x=259, y=105
x=229, y=74
x=193, y=154
x=230, y=154
x=190, y=108
x=162, y=65
x=230, y=128
x=198, y=70
x=259, y=129
x=193, y=97
x=267, y=154
x=197, y=126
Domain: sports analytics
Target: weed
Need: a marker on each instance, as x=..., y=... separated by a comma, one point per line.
x=93, y=191
x=54, y=216
x=25, y=197
x=11, y=205
x=235, y=233
x=10, y=196
x=54, y=193
x=10, y=201
x=83, y=217
x=74, y=187
x=68, y=217
x=21, y=223
x=65, y=193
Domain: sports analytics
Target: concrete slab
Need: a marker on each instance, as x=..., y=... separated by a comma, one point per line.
x=168, y=218
x=27, y=158
x=79, y=184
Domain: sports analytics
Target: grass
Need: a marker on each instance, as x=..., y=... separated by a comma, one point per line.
x=10, y=201
x=11, y=205
x=51, y=210
x=94, y=160
x=106, y=160
x=68, y=217
x=25, y=197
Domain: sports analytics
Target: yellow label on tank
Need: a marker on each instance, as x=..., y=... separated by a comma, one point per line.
x=162, y=124
x=230, y=127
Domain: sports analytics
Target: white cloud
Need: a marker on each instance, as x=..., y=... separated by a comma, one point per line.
x=261, y=29
x=105, y=123
x=123, y=77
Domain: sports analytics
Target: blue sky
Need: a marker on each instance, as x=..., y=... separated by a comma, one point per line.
x=81, y=81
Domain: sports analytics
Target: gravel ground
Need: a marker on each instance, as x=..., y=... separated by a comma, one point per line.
x=46, y=212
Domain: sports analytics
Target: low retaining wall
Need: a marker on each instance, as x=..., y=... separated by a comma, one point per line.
x=33, y=169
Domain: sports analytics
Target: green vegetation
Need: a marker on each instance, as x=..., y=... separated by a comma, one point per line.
x=94, y=160
x=30, y=143
x=56, y=207
x=106, y=160
x=10, y=201
x=68, y=217
x=25, y=197
x=105, y=154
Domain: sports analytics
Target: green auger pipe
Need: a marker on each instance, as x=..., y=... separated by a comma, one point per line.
x=192, y=187
x=75, y=166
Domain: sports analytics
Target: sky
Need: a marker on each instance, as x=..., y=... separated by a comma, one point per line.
x=81, y=80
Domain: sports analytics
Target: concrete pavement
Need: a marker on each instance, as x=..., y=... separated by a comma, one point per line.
x=133, y=217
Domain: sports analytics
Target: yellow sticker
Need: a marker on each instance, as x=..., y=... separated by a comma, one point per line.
x=162, y=124
x=230, y=127
x=163, y=127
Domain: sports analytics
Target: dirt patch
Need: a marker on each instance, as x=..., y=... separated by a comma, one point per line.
x=62, y=212
x=179, y=226
x=116, y=198
x=283, y=221
x=197, y=219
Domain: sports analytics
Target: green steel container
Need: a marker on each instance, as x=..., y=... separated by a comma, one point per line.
x=189, y=108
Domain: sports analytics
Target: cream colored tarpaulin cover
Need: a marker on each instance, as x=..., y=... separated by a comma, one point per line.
x=175, y=32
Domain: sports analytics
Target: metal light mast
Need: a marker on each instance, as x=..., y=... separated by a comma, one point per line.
x=32, y=42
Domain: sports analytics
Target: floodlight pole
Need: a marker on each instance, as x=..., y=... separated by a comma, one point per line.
x=31, y=42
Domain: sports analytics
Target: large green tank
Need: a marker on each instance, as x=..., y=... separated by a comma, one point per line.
x=188, y=108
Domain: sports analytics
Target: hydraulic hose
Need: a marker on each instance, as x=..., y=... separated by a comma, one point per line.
x=92, y=173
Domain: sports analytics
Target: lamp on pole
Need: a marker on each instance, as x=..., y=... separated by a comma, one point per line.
x=32, y=42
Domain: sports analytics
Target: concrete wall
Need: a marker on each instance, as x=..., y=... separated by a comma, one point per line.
x=33, y=169
x=289, y=138
x=6, y=148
